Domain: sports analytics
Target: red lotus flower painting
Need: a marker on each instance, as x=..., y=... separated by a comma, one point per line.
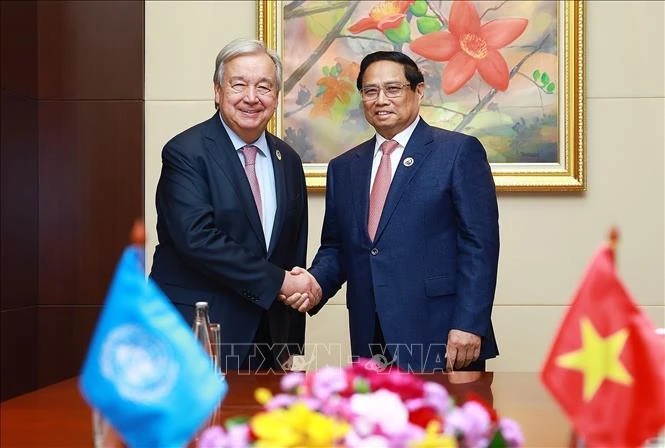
x=383, y=16
x=493, y=69
x=469, y=46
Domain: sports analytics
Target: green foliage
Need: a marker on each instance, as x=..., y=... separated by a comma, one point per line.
x=544, y=82
x=234, y=421
x=428, y=25
x=339, y=111
x=399, y=35
x=361, y=386
x=498, y=441
x=418, y=8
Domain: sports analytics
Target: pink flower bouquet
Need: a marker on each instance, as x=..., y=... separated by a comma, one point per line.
x=363, y=406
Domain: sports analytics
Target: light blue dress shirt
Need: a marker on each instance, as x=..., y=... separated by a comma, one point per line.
x=265, y=175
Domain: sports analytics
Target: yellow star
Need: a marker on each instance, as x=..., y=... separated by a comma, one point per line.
x=598, y=359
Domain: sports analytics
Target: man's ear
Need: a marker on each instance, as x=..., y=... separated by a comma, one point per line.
x=420, y=91
x=218, y=93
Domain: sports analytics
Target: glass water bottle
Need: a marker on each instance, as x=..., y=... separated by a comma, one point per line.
x=216, y=343
x=201, y=327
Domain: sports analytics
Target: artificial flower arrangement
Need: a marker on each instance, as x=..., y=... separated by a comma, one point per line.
x=362, y=406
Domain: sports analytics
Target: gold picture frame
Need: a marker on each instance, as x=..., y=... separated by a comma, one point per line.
x=538, y=151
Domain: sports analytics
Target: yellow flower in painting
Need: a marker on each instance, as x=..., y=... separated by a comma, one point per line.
x=434, y=439
x=297, y=426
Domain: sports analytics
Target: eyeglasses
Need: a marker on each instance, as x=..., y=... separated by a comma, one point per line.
x=240, y=87
x=392, y=90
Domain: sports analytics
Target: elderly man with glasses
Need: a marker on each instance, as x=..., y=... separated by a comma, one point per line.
x=411, y=224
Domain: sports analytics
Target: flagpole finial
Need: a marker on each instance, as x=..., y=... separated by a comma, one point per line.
x=137, y=235
x=613, y=238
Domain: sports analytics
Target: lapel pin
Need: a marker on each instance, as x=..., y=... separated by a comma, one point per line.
x=278, y=154
x=408, y=161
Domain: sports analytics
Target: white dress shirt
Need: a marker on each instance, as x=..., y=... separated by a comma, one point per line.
x=402, y=138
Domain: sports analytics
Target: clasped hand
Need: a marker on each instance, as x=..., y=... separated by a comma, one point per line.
x=300, y=290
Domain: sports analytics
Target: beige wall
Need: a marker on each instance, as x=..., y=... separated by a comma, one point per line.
x=547, y=239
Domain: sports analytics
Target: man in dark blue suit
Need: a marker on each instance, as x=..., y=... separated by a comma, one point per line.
x=232, y=215
x=411, y=224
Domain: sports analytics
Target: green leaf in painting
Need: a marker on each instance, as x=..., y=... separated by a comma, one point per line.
x=550, y=87
x=399, y=35
x=428, y=25
x=545, y=78
x=419, y=8
x=536, y=75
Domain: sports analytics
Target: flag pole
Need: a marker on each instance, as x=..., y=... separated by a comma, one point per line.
x=613, y=238
x=137, y=235
x=137, y=239
x=613, y=242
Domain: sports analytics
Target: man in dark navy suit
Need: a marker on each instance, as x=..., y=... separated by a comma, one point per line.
x=232, y=216
x=411, y=224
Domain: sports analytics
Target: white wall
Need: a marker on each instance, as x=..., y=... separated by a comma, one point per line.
x=546, y=239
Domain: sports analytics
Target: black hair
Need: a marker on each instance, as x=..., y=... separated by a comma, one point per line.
x=411, y=70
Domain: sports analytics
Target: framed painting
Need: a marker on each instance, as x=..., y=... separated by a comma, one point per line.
x=510, y=73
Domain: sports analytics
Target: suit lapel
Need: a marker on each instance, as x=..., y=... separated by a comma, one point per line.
x=361, y=172
x=219, y=145
x=417, y=150
x=280, y=192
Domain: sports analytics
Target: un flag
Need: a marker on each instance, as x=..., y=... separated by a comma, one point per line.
x=145, y=372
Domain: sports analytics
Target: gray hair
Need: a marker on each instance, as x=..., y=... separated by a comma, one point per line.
x=243, y=46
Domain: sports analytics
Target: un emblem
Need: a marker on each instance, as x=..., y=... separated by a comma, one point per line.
x=141, y=366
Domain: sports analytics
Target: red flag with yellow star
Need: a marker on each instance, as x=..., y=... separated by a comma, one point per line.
x=606, y=366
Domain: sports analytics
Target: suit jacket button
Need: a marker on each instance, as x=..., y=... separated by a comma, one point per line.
x=374, y=251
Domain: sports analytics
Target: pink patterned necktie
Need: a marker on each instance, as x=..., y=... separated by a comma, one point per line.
x=380, y=188
x=249, y=153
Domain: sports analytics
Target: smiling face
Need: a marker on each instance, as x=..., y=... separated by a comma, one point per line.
x=390, y=116
x=243, y=101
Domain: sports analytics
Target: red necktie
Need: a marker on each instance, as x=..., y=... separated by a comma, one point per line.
x=249, y=153
x=380, y=188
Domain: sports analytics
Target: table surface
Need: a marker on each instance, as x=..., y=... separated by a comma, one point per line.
x=57, y=416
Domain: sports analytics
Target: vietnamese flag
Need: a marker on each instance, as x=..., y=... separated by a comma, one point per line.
x=606, y=367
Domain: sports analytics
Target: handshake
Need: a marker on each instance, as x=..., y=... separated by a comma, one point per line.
x=300, y=290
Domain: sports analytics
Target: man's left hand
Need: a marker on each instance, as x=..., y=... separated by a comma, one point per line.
x=462, y=349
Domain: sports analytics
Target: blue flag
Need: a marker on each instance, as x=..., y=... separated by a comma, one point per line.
x=145, y=372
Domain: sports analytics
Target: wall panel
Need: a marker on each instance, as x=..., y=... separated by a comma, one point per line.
x=18, y=355
x=18, y=178
x=72, y=175
x=90, y=49
x=91, y=190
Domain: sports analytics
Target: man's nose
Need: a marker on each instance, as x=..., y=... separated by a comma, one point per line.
x=382, y=98
x=251, y=94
